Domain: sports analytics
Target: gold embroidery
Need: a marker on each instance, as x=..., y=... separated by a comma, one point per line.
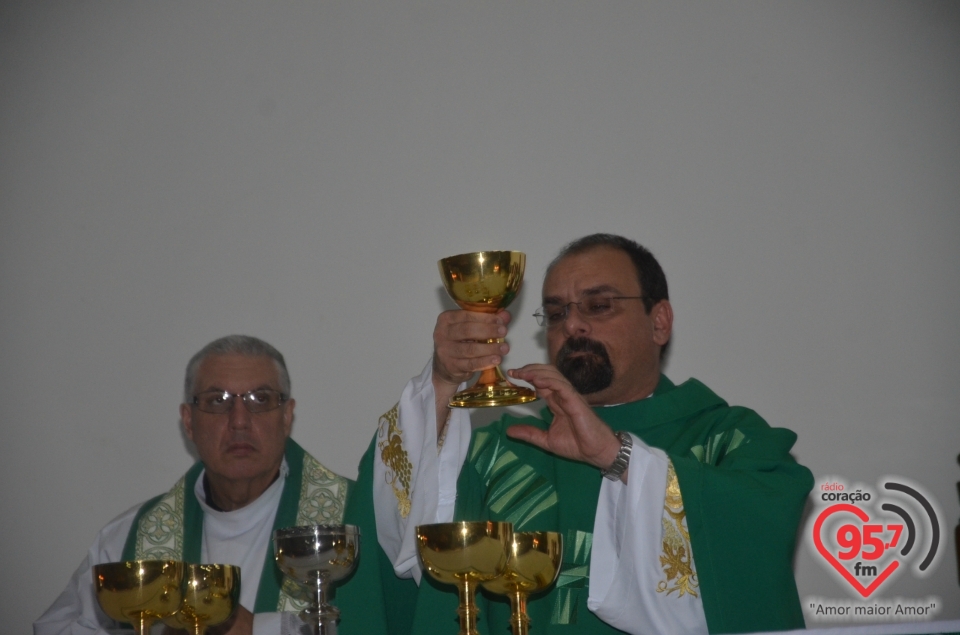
x=676, y=558
x=395, y=458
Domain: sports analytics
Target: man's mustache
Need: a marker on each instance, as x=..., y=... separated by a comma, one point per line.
x=587, y=373
x=582, y=345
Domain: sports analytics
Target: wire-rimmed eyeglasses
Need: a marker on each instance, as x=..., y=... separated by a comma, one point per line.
x=220, y=402
x=592, y=307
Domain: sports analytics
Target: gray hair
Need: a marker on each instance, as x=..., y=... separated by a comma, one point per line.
x=245, y=345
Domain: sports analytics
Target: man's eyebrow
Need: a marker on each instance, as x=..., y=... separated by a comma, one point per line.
x=603, y=288
x=592, y=291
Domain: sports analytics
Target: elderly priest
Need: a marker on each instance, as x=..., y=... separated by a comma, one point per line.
x=251, y=479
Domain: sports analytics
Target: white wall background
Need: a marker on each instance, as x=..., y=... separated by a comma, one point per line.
x=175, y=171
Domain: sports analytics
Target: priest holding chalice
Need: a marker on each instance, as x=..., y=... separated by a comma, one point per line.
x=678, y=512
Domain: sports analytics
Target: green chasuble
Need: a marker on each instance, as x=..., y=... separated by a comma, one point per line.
x=170, y=526
x=742, y=496
x=374, y=601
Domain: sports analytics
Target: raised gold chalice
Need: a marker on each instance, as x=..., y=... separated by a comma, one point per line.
x=138, y=591
x=486, y=281
x=211, y=593
x=314, y=557
x=464, y=554
x=533, y=566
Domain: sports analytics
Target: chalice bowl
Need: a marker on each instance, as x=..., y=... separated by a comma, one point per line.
x=314, y=557
x=533, y=565
x=211, y=593
x=138, y=591
x=465, y=554
x=486, y=281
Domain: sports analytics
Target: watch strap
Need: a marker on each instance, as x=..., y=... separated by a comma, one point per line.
x=615, y=471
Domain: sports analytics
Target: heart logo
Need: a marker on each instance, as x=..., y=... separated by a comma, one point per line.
x=854, y=547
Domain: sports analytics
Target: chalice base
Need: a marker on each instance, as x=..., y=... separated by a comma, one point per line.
x=322, y=620
x=492, y=390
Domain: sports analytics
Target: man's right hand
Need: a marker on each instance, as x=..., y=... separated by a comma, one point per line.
x=460, y=349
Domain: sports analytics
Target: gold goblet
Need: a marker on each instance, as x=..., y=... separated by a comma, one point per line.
x=486, y=281
x=464, y=554
x=211, y=593
x=139, y=591
x=533, y=566
x=314, y=557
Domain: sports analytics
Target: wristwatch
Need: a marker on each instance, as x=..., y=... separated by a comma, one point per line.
x=615, y=471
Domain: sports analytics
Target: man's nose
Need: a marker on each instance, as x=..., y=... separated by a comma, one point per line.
x=239, y=416
x=575, y=324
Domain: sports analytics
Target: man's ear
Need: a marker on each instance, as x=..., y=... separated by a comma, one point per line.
x=288, y=415
x=186, y=418
x=662, y=317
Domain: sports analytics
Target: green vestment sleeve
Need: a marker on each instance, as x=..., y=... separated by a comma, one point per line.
x=744, y=494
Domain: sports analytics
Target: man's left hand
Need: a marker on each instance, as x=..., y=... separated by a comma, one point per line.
x=576, y=432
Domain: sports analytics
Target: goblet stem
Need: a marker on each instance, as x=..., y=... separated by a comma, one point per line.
x=468, y=610
x=322, y=616
x=142, y=625
x=519, y=622
x=491, y=377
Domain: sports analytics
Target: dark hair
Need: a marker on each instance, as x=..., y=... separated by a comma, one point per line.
x=653, y=282
x=245, y=345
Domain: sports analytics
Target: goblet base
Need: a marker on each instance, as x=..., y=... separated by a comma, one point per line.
x=323, y=620
x=492, y=389
x=493, y=395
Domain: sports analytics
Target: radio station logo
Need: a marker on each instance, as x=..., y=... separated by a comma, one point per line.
x=868, y=537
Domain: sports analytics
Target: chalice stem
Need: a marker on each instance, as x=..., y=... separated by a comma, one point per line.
x=519, y=621
x=468, y=610
x=491, y=377
x=321, y=616
x=143, y=624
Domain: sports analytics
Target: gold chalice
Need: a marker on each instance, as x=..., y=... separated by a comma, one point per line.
x=486, y=281
x=211, y=593
x=314, y=557
x=533, y=566
x=464, y=554
x=138, y=591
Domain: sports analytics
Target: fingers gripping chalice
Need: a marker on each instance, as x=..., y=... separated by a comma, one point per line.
x=211, y=593
x=464, y=554
x=138, y=591
x=314, y=557
x=486, y=281
x=533, y=566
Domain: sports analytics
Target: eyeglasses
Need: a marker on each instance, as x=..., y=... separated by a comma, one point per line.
x=220, y=402
x=593, y=307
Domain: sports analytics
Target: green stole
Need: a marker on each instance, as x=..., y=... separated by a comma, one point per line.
x=742, y=494
x=170, y=526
